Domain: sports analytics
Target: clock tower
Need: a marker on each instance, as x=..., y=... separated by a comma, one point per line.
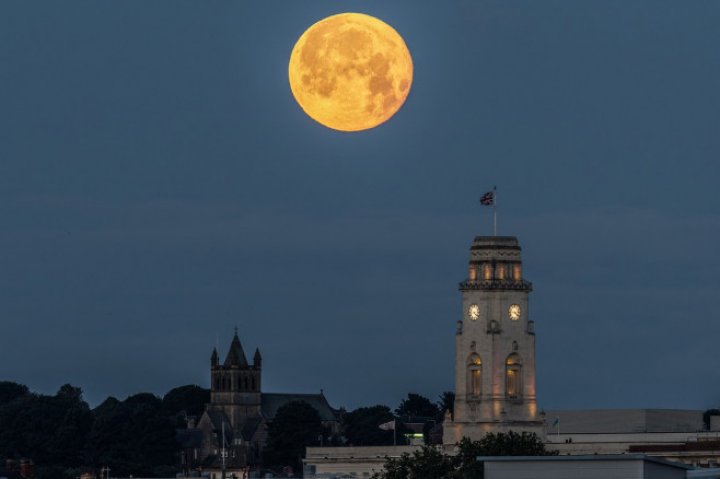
x=494, y=346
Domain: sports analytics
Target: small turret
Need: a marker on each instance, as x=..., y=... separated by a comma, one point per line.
x=214, y=360
x=257, y=359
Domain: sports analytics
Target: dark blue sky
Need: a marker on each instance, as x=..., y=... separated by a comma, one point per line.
x=159, y=186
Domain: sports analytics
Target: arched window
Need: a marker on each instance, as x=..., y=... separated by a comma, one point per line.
x=474, y=376
x=513, y=376
x=500, y=271
x=517, y=272
x=472, y=276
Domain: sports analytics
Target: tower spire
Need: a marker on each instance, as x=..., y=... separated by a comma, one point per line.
x=236, y=355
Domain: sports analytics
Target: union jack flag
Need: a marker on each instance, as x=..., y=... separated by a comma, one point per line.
x=488, y=199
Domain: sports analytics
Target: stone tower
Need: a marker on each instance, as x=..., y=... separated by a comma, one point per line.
x=494, y=346
x=235, y=384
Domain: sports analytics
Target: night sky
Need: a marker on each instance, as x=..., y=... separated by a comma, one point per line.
x=159, y=186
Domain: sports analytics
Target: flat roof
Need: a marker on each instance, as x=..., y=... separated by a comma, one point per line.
x=589, y=457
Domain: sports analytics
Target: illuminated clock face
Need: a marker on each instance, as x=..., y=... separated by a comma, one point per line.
x=514, y=312
x=474, y=312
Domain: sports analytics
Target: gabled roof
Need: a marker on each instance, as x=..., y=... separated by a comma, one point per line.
x=249, y=427
x=271, y=402
x=236, y=355
x=218, y=418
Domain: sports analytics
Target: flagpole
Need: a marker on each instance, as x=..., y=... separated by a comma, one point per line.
x=490, y=199
x=494, y=211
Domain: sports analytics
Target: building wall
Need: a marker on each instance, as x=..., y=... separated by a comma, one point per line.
x=598, y=421
x=715, y=423
x=566, y=470
x=671, y=446
x=358, y=461
x=658, y=471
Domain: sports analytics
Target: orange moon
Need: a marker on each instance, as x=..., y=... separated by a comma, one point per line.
x=350, y=72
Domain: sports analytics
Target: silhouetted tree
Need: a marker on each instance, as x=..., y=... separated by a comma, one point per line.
x=446, y=403
x=362, y=426
x=10, y=390
x=430, y=462
x=134, y=436
x=186, y=401
x=51, y=430
x=105, y=407
x=296, y=425
x=417, y=405
x=425, y=463
x=509, y=444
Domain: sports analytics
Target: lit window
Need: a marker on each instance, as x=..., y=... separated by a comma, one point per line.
x=517, y=271
x=487, y=271
x=513, y=376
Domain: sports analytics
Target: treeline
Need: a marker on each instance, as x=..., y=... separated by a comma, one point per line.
x=64, y=437
x=360, y=427
x=297, y=425
x=432, y=463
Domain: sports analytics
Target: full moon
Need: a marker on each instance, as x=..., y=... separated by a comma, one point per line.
x=350, y=72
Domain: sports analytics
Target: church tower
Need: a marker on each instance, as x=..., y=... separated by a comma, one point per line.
x=235, y=384
x=494, y=346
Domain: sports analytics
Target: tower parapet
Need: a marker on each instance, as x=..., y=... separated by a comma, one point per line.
x=495, y=264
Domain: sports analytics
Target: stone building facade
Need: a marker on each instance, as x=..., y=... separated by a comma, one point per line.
x=494, y=346
x=235, y=421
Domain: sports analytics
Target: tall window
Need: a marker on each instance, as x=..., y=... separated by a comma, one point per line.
x=487, y=271
x=474, y=379
x=513, y=376
x=517, y=271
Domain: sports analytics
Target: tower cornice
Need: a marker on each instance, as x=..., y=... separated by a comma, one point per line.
x=496, y=285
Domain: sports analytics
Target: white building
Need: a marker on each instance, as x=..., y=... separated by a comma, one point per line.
x=633, y=466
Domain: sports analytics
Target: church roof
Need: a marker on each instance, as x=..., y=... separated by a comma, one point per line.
x=218, y=418
x=189, y=438
x=249, y=427
x=236, y=355
x=271, y=402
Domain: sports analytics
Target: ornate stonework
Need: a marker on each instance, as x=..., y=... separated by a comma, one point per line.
x=495, y=349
